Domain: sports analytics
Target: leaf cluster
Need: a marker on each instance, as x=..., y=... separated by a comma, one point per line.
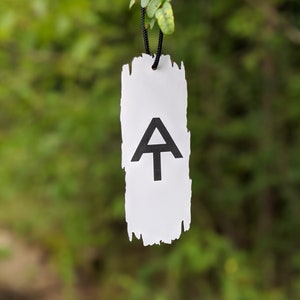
x=160, y=12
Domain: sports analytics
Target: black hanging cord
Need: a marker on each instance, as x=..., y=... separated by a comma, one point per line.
x=145, y=32
x=146, y=41
x=159, y=49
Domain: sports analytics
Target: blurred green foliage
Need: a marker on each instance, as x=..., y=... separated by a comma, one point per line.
x=61, y=184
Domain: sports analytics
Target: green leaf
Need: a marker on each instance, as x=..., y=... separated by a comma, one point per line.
x=153, y=7
x=149, y=23
x=152, y=23
x=165, y=18
x=144, y=3
x=131, y=3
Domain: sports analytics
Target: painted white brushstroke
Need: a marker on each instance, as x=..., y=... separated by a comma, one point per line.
x=155, y=210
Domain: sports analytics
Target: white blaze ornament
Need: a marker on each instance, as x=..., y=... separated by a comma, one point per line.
x=155, y=150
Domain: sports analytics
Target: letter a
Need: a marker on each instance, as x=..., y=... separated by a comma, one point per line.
x=144, y=147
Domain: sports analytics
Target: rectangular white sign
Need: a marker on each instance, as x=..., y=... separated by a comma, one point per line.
x=155, y=150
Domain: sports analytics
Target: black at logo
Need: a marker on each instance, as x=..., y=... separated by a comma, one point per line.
x=144, y=147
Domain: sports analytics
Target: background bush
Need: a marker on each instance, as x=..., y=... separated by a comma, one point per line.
x=61, y=184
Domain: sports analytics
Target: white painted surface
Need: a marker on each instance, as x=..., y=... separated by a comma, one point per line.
x=155, y=210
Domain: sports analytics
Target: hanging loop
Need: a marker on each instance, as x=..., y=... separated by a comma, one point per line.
x=159, y=49
x=146, y=41
x=145, y=32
